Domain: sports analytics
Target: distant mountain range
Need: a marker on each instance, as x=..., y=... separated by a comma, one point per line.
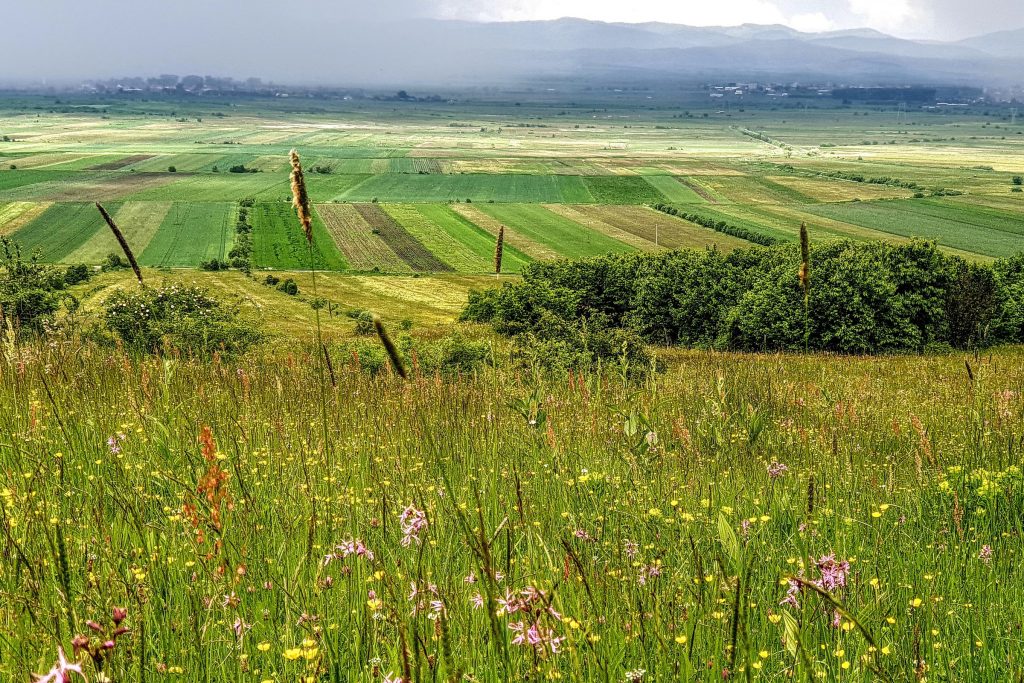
x=575, y=48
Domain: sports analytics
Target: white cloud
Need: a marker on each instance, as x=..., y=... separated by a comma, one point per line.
x=812, y=22
x=885, y=15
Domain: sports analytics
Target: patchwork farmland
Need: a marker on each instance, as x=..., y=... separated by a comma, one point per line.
x=426, y=189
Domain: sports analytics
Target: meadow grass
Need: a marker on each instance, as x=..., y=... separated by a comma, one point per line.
x=751, y=517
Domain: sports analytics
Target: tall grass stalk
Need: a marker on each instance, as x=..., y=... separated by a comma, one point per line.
x=805, y=281
x=499, y=248
x=119, y=236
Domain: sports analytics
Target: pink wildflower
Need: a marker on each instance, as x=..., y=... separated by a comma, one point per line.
x=833, y=573
x=61, y=671
x=413, y=522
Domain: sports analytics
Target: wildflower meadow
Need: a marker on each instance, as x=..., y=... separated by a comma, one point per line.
x=737, y=517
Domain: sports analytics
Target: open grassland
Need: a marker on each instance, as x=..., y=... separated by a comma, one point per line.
x=740, y=517
x=541, y=164
x=278, y=242
x=190, y=233
x=432, y=302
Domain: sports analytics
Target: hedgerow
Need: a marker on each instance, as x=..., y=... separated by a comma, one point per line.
x=864, y=298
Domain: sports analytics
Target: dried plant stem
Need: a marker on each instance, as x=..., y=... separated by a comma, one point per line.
x=499, y=250
x=389, y=347
x=805, y=280
x=122, y=241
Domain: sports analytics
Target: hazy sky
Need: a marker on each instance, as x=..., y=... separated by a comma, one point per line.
x=79, y=38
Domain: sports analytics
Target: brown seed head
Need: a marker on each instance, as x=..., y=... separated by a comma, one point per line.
x=300, y=198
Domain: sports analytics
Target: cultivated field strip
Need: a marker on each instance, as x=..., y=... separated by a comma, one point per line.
x=988, y=237
x=219, y=187
x=15, y=215
x=139, y=221
x=69, y=186
x=674, y=190
x=190, y=233
x=407, y=247
x=514, y=238
x=363, y=249
x=279, y=241
x=661, y=229
x=458, y=242
x=60, y=230
x=573, y=214
x=121, y=163
x=543, y=225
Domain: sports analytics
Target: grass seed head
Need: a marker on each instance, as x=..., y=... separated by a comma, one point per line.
x=499, y=248
x=805, y=259
x=300, y=197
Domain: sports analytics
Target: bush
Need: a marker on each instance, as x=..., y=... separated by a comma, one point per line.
x=364, y=322
x=1008, y=325
x=31, y=293
x=214, y=265
x=183, y=317
x=289, y=287
x=76, y=274
x=864, y=298
x=1018, y=180
x=115, y=261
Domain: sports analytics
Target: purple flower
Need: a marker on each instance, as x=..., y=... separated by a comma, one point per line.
x=791, y=595
x=833, y=573
x=777, y=469
x=413, y=522
x=986, y=554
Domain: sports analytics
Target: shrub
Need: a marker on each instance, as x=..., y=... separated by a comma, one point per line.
x=364, y=322
x=183, y=317
x=114, y=261
x=76, y=274
x=289, y=287
x=1008, y=325
x=31, y=293
x=864, y=298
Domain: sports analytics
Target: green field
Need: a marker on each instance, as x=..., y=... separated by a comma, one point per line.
x=458, y=242
x=986, y=232
x=563, y=181
x=280, y=243
x=60, y=230
x=581, y=501
x=548, y=228
x=190, y=233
